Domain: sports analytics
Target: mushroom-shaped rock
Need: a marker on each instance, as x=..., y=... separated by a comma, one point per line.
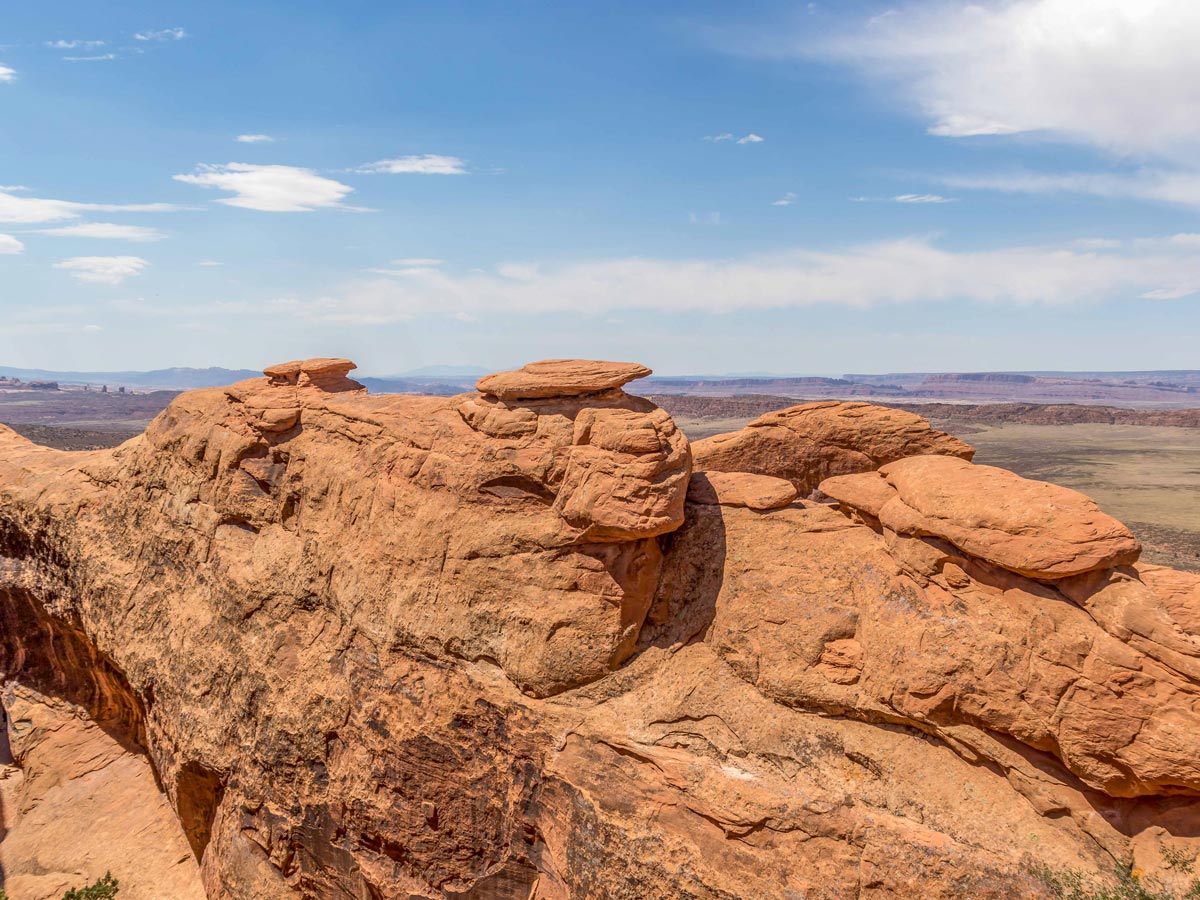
x=560, y=378
x=328, y=373
x=808, y=443
x=1030, y=527
x=760, y=492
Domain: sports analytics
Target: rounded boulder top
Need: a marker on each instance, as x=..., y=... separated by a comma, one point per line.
x=320, y=366
x=560, y=378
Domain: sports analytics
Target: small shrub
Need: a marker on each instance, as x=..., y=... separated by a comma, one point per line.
x=1072, y=885
x=103, y=889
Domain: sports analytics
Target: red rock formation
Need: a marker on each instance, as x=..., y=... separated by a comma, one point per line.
x=497, y=646
x=807, y=444
x=1029, y=527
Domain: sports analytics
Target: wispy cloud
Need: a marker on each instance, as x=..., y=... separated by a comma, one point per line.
x=751, y=138
x=270, y=188
x=35, y=210
x=102, y=269
x=10, y=246
x=162, y=34
x=98, y=58
x=892, y=272
x=107, y=231
x=1158, y=185
x=922, y=198
x=417, y=261
x=209, y=263
x=708, y=218
x=7, y=75
x=786, y=200
x=254, y=139
x=426, y=164
x=74, y=45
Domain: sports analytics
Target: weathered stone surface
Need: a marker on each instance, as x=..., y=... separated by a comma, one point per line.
x=417, y=648
x=560, y=378
x=1029, y=527
x=326, y=373
x=740, y=489
x=808, y=443
x=78, y=804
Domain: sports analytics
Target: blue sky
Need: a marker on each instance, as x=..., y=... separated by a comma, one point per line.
x=798, y=188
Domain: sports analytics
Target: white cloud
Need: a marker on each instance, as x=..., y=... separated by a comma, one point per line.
x=99, y=58
x=10, y=188
x=74, y=45
x=107, y=231
x=34, y=210
x=709, y=218
x=427, y=164
x=786, y=200
x=7, y=75
x=10, y=246
x=1175, y=293
x=715, y=138
x=270, y=188
x=103, y=269
x=164, y=34
x=417, y=261
x=209, y=263
x=893, y=272
x=1123, y=75
x=1159, y=185
x=254, y=139
x=751, y=139
x=922, y=198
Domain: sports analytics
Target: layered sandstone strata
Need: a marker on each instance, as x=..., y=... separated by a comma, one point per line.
x=507, y=645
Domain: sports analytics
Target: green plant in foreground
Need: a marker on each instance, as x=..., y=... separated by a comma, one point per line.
x=103, y=889
x=1130, y=885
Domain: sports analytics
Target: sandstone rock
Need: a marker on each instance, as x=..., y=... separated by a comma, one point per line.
x=808, y=443
x=418, y=648
x=740, y=489
x=1030, y=527
x=820, y=613
x=79, y=805
x=326, y=373
x=560, y=378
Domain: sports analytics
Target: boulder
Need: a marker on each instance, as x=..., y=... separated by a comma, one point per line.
x=560, y=378
x=808, y=443
x=760, y=492
x=1029, y=527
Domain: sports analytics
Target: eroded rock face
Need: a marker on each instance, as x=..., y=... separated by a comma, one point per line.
x=808, y=443
x=78, y=805
x=1028, y=527
x=506, y=647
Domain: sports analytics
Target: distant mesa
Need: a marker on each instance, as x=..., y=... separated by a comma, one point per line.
x=985, y=377
x=560, y=378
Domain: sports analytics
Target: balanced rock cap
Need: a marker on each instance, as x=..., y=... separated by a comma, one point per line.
x=320, y=366
x=560, y=378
